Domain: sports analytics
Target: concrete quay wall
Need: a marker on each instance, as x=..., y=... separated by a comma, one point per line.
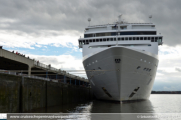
x=22, y=94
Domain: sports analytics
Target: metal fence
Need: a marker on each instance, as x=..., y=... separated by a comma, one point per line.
x=37, y=63
x=24, y=75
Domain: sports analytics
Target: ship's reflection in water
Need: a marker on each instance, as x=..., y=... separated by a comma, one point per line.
x=98, y=106
x=128, y=107
x=98, y=110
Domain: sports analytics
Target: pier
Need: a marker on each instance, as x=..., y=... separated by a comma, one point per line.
x=15, y=63
x=27, y=85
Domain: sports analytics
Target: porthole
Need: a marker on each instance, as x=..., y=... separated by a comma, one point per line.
x=138, y=67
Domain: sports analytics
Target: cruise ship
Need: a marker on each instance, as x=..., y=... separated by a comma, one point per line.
x=121, y=59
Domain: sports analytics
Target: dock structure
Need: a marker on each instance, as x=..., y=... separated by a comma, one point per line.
x=26, y=85
x=24, y=65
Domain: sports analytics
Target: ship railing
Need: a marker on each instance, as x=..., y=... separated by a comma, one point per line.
x=114, y=24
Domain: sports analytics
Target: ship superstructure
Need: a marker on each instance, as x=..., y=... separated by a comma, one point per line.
x=123, y=58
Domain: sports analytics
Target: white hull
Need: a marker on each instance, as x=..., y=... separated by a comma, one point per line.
x=120, y=80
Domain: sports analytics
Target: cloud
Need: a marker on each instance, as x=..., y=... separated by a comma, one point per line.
x=20, y=39
x=178, y=69
x=64, y=62
x=35, y=17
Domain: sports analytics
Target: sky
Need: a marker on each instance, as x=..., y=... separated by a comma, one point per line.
x=48, y=30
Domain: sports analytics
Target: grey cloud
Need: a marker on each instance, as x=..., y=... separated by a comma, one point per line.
x=178, y=69
x=32, y=16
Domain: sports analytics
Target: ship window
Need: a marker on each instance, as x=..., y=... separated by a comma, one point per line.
x=145, y=38
x=130, y=38
x=137, y=38
x=104, y=39
x=123, y=27
x=160, y=39
x=114, y=27
x=156, y=39
x=100, y=40
x=141, y=38
x=114, y=39
x=94, y=40
x=90, y=40
x=111, y=39
x=97, y=40
x=148, y=38
x=107, y=39
x=88, y=35
x=126, y=38
x=122, y=38
x=134, y=38
x=119, y=39
x=152, y=39
x=121, y=33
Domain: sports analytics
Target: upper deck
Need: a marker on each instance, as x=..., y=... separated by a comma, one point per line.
x=123, y=28
x=121, y=32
